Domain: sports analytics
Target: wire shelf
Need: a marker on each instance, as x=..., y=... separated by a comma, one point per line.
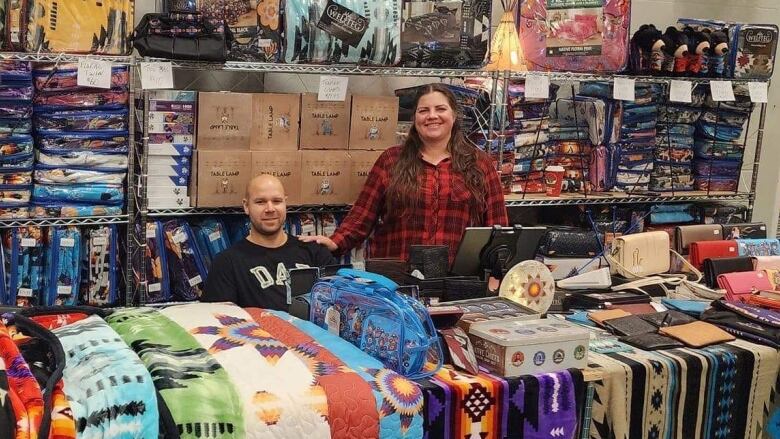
x=63, y=57
x=186, y=211
x=532, y=200
x=64, y=221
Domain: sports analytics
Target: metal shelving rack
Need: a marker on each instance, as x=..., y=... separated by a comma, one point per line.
x=137, y=247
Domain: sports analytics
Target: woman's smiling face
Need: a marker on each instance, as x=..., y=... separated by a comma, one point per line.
x=434, y=117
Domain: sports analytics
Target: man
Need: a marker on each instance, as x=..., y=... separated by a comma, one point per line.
x=254, y=272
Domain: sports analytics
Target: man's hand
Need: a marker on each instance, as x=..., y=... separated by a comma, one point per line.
x=321, y=240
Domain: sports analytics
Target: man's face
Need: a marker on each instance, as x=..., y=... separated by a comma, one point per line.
x=266, y=206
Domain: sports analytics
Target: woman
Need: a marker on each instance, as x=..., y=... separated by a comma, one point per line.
x=426, y=191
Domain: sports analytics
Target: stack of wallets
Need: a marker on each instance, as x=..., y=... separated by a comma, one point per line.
x=171, y=130
x=489, y=309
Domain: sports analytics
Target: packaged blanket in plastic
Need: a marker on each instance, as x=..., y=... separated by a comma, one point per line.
x=238, y=229
x=753, y=50
x=58, y=210
x=63, y=77
x=15, y=195
x=157, y=282
x=15, y=109
x=79, y=193
x=15, y=145
x=108, y=141
x=709, y=149
x=185, y=263
x=15, y=71
x=52, y=174
x=63, y=266
x=451, y=34
x=12, y=211
x=212, y=238
x=16, y=90
x=256, y=26
x=99, y=277
x=24, y=261
x=15, y=126
x=17, y=162
x=343, y=31
x=100, y=27
x=714, y=183
x=104, y=100
x=107, y=161
x=81, y=120
x=12, y=178
x=575, y=35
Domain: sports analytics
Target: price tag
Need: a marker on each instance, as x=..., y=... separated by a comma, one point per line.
x=67, y=242
x=722, y=91
x=213, y=236
x=308, y=229
x=24, y=292
x=156, y=75
x=179, y=237
x=333, y=88
x=151, y=233
x=265, y=43
x=99, y=240
x=333, y=320
x=28, y=242
x=64, y=290
x=155, y=287
x=93, y=73
x=759, y=92
x=680, y=91
x=624, y=89
x=537, y=87
x=195, y=280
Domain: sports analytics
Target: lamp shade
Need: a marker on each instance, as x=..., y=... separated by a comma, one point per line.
x=505, y=50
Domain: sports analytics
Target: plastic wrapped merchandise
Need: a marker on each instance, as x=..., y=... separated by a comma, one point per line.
x=81, y=120
x=184, y=261
x=63, y=266
x=212, y=238
x=15, y=146
x=12, y=211
x=79, y=193
x=99, y=277
x=256, y=27
x=104, y=100
x=343, y=31
x=157, y=282
x=106, y=160
x=575, y=35
x=64, y=77
x=114, y=141
x=61, y=210
x=24, y=259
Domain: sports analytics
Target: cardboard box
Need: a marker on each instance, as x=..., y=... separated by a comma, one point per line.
x=324, y=125
x=374, y=122
x=276, y=120
x=514, y=348
x=222, y=177
x=360, y=166
x=224, y=121
x=325, y=177
x=286, y=166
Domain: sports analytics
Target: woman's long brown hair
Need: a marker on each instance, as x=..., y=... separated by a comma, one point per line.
x=403, y=189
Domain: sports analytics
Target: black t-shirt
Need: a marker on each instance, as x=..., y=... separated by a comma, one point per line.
x=251, y=275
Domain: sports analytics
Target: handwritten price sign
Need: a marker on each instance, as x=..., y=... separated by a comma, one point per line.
x=94, y=73
x=156, y=75
x=333, y=88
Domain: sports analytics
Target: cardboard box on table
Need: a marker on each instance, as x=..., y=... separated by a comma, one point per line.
x=373, y=122
x=276, y=121
x=324, y=124
x=286, y=166
x=325, y=177
x=221, y=178
x=361, y=163
x=224, y=121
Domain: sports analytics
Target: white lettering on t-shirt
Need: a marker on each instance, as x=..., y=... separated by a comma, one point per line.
x=263, y=276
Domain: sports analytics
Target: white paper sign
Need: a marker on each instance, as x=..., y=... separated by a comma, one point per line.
x=156, y=75
x=67, y=242
x=680, y=91
x=537, y=87
x=195, y=280
x=155, y=287
x=624, y=89
x=759, y=92
x=722, y=91
x=28, y=242
x=333, y=88
x=93, y=73
x=64, y=290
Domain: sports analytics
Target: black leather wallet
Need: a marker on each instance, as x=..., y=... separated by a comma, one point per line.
x=570, y=243
x=667, y=318
x=744, y=231
x=431, y=260
x=717, y=266
x=628, y=326
x=603, y=299
x=651, y=341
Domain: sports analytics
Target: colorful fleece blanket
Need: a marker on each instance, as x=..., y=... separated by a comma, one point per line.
x=226, y=372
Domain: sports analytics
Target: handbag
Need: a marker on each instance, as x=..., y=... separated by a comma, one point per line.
x=715, y=267
x=644, y=254
x=570, y=243
x=741, y=284
x=364, y=309
x=182, y=36
x=430, y=260
x=744, y=231
x=685, y=235
x=766, y=262
x=699, y=251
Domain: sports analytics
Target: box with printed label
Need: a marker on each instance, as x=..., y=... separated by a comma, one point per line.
x=284, y=165
x=166, y=191
x=168, y=202
x=373, y=122
x=173, y=95
x=514, y=348
x=177, y=117
x=361, y=163
x=325, y=177
x=172, y=171
x=167, y=181
x=324, y=124
x=224, y=121
x=222, y=177
x=276, y=120
x=176, y=139
x=169, y=160
x=489, y=309
x=169, y=149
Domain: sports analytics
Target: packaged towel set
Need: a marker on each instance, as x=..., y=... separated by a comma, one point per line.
x=63, y=266
x=184, y=261
x=157, y=280
x=24, y=266
x=100, y=277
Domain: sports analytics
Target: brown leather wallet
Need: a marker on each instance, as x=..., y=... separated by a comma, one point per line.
x=697, y=334
x=600, y=316
x=685, y=235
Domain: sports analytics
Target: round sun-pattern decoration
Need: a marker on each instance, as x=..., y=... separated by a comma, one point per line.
x=530, y=284
x=401, y=395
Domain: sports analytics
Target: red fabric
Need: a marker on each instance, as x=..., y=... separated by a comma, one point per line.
x=441, y=217
x=701, y=250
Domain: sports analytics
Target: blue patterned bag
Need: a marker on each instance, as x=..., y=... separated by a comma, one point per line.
x=63, y=266
x=157, y=279
x=184, y=261
x=212, y=238
x=24, y=265
x=99, y=280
